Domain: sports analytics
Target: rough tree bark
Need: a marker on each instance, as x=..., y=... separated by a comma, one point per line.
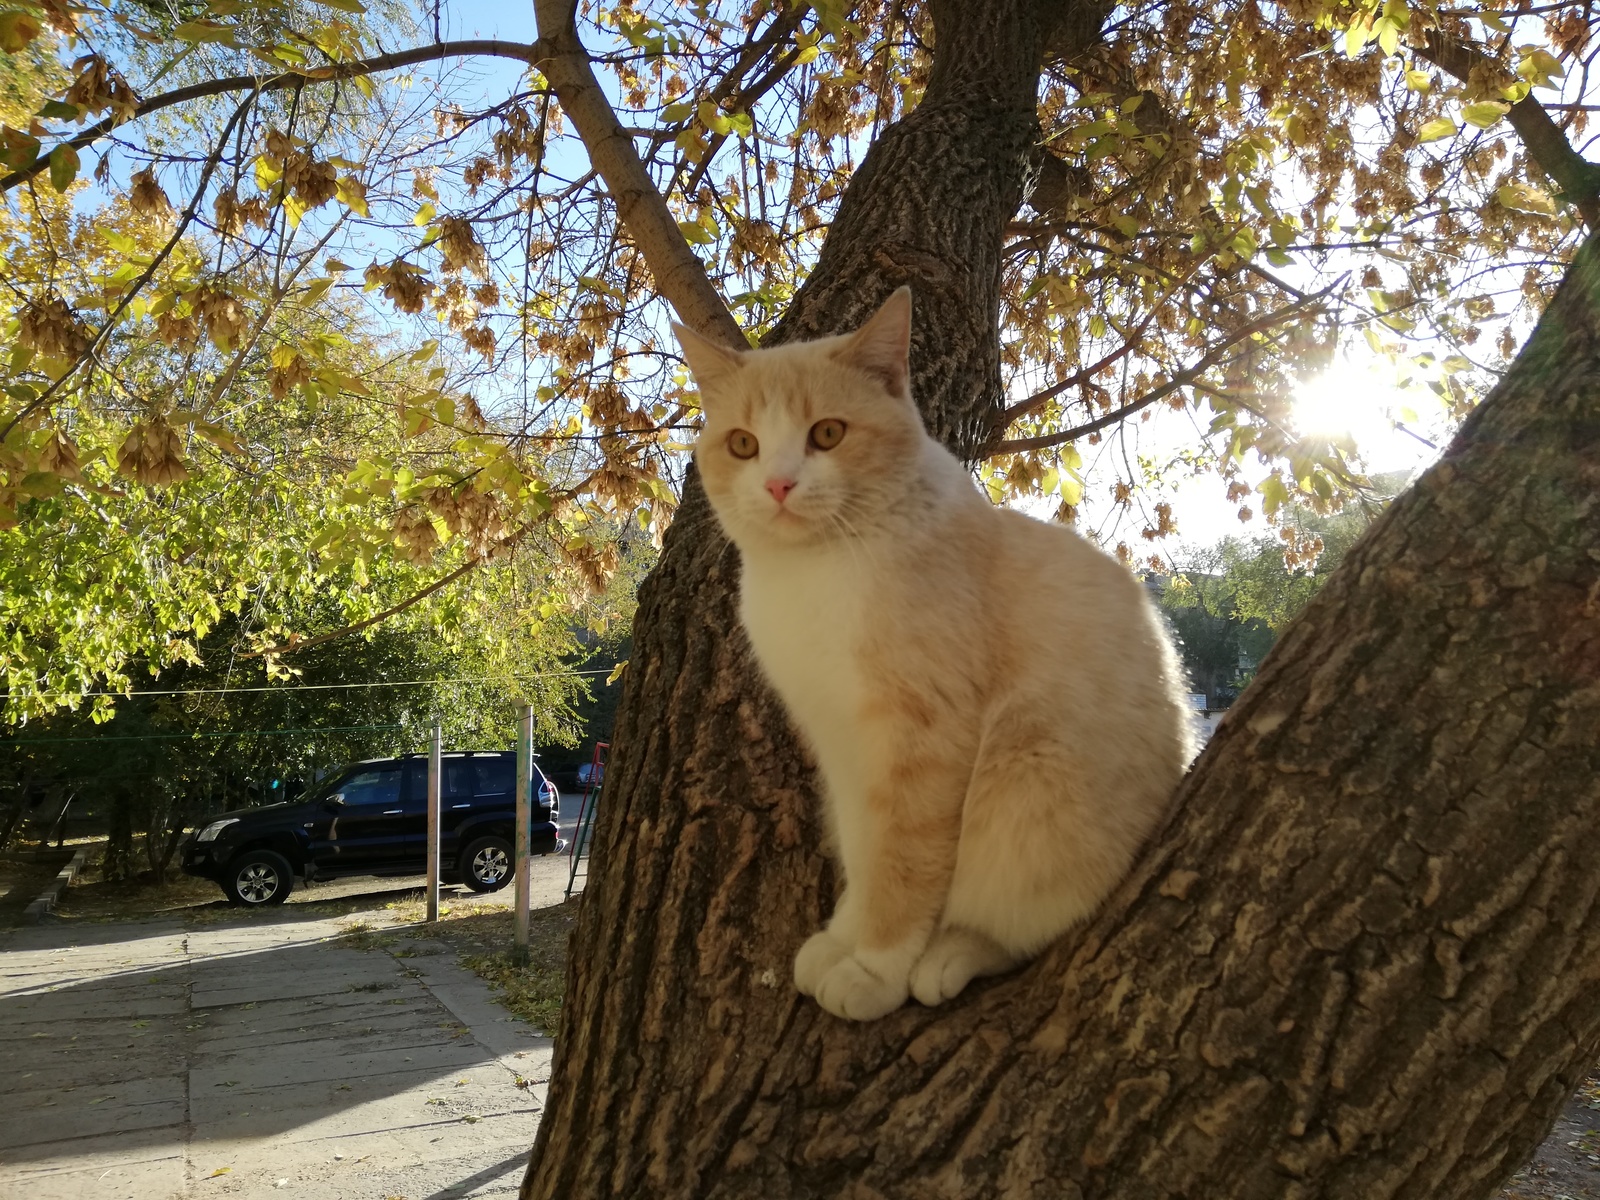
x=1360, y=959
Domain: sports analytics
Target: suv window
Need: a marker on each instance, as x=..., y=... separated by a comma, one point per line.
x=495, y=776
x=372, y=787
x=457, y=780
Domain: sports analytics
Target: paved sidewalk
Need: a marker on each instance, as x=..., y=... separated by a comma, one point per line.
x=261, y=1058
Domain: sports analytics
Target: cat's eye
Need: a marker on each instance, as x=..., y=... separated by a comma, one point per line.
x=743, y=444
x=826, y=434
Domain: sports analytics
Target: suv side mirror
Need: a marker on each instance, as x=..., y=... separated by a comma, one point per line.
x=334, y=802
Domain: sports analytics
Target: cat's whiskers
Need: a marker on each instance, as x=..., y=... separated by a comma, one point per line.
x=859, y=547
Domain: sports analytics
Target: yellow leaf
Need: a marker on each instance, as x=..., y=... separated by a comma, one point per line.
x=1523, y=197
x=1439, y=127
x=17, y=29
x=1388, y=35
x=1484, y=113
x=267, y=172
x=352, y=194
x=694, y=233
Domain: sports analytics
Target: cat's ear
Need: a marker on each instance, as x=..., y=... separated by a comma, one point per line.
x=712, y=364
x=882, y=347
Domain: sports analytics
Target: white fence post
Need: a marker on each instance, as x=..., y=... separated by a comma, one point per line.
x=524, y=827
x=435, y=767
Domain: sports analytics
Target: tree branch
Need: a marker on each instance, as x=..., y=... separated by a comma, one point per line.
x=1184, y=378
x=1015, y=412
x=292, y=646
x=1575, y=175
x=679, y=275
x=481, y=47
x=133, y=290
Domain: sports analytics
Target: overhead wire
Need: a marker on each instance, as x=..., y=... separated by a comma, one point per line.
x=318, y=687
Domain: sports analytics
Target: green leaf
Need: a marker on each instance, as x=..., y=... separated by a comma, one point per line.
x=63, y=167
x=1274, y=495
x=207, y=31
x=349, y=6
x=1439, y=127
x=57, y=110
x=673, y=113
x=1419, y=81
x=21, y=149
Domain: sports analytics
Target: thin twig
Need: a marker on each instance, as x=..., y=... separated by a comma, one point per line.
x=1183, y=378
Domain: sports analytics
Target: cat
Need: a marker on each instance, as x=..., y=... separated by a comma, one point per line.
x=994, y=707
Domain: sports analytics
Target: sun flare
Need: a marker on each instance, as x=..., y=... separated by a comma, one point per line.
x=1357, y=403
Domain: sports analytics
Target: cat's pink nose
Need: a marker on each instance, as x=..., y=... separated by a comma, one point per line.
x=780, y=488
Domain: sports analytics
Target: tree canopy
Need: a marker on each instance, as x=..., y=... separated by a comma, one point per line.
x=269, y=272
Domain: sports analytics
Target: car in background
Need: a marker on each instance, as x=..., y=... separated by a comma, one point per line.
x=371, y=818
x=591, y=773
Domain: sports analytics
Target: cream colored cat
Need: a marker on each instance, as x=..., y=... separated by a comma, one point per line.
x=992, y=702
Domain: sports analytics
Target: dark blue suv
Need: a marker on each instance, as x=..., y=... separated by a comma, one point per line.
x=372, y=819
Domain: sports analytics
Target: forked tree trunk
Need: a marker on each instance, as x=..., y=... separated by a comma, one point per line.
x=1359, y=961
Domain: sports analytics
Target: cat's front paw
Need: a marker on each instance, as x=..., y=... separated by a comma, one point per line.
x=952, y=960
x=942, y=973
x=815, y=959
x=851, y=991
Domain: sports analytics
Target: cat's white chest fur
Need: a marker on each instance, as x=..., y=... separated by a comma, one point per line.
x=805, y=611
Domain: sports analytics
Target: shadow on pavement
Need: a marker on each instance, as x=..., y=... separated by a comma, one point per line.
x=146, y=1054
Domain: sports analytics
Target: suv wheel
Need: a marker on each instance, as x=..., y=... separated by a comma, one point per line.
x=258, y=878
x=486, y=864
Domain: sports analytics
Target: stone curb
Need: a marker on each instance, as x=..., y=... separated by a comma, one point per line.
x=47, y=898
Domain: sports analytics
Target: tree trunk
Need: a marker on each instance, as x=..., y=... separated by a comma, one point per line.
x=706, y=870
x=1359, y=960
x=13, y=820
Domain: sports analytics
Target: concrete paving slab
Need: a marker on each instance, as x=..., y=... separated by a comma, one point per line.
x=54, y=1114
x=255, y=1060
x=71, y=1172
x=314, y=1034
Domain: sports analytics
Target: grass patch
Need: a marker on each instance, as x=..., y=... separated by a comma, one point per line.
x=484, y=942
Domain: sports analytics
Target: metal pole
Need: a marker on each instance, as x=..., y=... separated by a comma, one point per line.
x=524, y=827
x=434, y=772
